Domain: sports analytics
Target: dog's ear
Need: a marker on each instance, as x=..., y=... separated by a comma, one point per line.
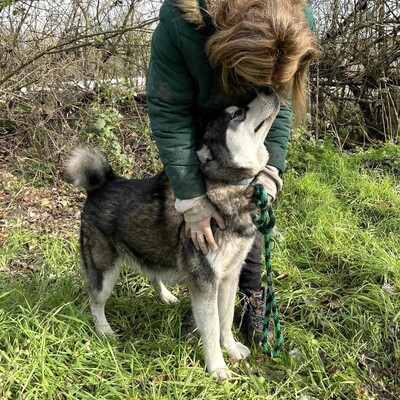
x=205, y=154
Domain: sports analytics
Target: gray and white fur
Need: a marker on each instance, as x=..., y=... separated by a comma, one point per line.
x=134, y=221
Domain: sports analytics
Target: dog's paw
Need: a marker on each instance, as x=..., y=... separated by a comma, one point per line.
x=169, y=298
x=238, y=352
x=220, y=374
x=105, y=331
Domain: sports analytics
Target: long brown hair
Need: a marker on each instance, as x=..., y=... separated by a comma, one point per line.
x=263, y=43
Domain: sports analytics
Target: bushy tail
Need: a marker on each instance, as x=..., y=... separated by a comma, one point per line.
x=88, y=168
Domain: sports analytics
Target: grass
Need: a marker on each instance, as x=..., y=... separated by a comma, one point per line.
x=337, y=279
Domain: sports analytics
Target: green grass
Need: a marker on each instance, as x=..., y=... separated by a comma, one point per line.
x=337, y=280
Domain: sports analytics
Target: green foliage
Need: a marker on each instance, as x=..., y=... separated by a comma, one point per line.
x=382, y=159
x=127, y=142
x=105, y=124
x=305, y=151
x=116, y=94
x=103, y=131
x=7, y=3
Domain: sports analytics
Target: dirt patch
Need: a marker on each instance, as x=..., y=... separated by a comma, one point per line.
x=55, y=209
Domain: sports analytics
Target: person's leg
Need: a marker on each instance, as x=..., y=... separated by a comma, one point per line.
x=250, y=277
x=250, y=284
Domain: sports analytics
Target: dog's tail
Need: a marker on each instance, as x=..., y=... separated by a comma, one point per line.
x=88, y=168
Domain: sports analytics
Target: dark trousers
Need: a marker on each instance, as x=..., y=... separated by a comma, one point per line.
x=250, y=277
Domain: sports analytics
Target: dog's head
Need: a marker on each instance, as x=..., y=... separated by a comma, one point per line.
x=233, y=144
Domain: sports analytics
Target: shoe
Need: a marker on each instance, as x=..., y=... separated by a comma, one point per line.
x=253, y=313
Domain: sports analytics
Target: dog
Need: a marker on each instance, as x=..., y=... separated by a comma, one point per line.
x=134, y=221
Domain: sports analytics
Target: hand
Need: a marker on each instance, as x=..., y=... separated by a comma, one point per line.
x=201, y=233
x=269, y=178
x=250, y=191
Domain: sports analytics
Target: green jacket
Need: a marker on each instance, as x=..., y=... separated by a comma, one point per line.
x=181, y=85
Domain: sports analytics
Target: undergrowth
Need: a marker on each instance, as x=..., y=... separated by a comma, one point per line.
x=337, y=280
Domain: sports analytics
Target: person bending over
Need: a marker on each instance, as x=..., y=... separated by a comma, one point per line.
x=207, y=55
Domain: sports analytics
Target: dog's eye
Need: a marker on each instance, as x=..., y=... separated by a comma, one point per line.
x=238, y=113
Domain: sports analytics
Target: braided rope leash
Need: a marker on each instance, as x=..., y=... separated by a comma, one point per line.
x=264, y=220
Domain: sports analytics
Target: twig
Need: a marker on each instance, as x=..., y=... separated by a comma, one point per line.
x=60, y=48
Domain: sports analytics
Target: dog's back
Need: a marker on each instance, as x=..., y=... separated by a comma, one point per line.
x=130, y=215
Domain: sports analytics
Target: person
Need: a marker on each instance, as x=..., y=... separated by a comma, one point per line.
x=207, y=55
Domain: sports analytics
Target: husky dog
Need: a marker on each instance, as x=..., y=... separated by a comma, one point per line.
x=134, y=221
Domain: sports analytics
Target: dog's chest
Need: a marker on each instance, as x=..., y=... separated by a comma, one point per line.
x=232, y=251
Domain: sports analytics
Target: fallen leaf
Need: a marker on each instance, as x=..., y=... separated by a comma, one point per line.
x=45, y=202
x=335, y=304
x=386, y=287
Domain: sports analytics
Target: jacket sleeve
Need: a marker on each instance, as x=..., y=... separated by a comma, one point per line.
x=278, y=137
x=170, y=100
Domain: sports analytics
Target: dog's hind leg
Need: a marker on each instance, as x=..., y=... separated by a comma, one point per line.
x=98, y=301
x=226, y=304
x=160, y=288
x=101, y=272
x=205, y=311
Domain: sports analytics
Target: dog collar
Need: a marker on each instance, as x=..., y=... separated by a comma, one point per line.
x=244, y=181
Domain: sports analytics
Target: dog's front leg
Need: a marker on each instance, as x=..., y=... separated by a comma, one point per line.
x=205, y=311
x=226, y=305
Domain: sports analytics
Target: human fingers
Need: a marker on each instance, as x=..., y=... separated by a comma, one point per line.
x=187, y=230
x=193, y=235
x=249, y=191
x=202, y=243
x=210, y=239
x=199, y=241
x=218, y=219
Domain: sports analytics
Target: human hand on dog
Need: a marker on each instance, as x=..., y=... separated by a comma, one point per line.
x=201, y=233
x=269, y=178
x=198, y=213
x=250, y=191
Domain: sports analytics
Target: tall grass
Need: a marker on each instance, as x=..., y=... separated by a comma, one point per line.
x=337, y=279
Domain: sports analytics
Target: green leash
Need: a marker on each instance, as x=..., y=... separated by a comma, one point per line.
x=265, y=221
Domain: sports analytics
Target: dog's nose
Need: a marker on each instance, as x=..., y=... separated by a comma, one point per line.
x=268, y=90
